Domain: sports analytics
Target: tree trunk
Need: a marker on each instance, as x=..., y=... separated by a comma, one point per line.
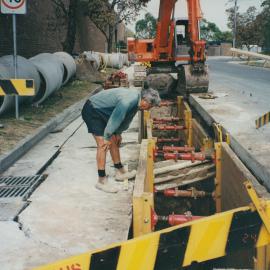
x=110, y=39
x=69, y=42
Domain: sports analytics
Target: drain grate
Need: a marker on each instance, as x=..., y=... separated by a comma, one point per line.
x=20, y=186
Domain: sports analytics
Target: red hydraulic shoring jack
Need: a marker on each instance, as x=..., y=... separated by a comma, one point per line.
x=168, y=140
x=160, y=152
x=190, y=193
x=165, y=120
x=173, y=219
x=181, y=149
x=169, y=128
x=167, y=103
x=187, y=156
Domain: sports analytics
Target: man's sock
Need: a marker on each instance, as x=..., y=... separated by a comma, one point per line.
x=101, y=173
x=118, y=166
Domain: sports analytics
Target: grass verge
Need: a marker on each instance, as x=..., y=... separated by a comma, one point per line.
x=32, y=117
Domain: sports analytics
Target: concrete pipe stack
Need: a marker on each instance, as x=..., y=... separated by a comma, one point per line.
x=94, y=58
x=49, y=71
x=26, y=70
x=111, y=60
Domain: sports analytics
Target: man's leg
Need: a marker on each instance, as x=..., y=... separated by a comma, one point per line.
x=115, y=154
x=101, y=164
x=101, y=158
x=121, y=172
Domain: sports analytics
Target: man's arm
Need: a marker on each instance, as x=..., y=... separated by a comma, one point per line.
x=118, y=117
x=126, y=123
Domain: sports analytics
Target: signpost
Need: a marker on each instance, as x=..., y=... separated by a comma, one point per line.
x=14, y=7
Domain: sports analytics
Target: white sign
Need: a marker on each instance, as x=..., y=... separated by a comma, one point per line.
x=13, y=6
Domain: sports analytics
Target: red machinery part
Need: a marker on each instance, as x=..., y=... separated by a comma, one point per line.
x=186, y=156
x=190, y=193
x=168, y=140
x=181, y=149
x=174, y=220
x=169, y=128
x=165, y=120
x=154, y=219
x=167, y=103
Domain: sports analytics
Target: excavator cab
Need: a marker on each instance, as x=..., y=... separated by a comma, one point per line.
x=181, y=38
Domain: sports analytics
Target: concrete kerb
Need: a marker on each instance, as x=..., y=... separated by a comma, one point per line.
x=67, y=116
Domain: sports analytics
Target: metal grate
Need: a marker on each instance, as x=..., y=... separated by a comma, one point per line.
x=23, y=187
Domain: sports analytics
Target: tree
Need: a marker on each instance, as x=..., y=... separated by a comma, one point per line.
x=248, y=27
x=211, y=33
x=264, y=20
x=147, y=27
x=69, y=14
x=108, y=14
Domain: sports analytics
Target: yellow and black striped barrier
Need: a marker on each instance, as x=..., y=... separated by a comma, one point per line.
x=179, y=247
x=20, y=87
x=263, y=120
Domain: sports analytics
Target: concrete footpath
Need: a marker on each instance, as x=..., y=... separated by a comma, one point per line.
x=67, y=215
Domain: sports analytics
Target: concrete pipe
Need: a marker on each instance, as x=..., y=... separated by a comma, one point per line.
x=114, y=60
x=105, y=59
x=51, y=71
x=26, y=70
x=95, y=58
x=125, y=59
x=69, y=65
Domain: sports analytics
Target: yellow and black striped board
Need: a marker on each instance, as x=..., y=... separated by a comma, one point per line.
x=20, y=87
x=263, y=120
x=180, y=247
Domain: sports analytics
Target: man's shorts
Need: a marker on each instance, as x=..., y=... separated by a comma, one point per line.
x=94, y=122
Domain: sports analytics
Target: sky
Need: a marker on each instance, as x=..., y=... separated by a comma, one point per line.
x=213, y=10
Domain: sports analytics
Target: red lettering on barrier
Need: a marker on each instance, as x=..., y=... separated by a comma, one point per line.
x=75, y=266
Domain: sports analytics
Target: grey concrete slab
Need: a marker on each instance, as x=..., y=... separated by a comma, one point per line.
x=243, y=94
x=9, y=210
x=35, y=159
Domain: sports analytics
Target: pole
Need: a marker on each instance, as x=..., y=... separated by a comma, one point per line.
x=235, y=24
x=14, y=22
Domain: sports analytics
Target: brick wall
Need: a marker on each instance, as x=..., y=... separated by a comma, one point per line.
x=43, y=30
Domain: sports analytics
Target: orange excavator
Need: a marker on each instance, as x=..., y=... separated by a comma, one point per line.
x=177, y=48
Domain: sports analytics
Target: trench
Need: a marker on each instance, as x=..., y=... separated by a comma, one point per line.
x=170, y=209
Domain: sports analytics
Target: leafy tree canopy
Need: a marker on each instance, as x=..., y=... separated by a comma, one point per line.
x=146, y=28
x=211, y=33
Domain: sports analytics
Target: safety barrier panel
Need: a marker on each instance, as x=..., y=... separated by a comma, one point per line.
x=195, y=243
x=20, y=87
x=263, y=120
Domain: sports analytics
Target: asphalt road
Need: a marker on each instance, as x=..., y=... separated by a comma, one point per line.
x=226, y=75
x=243, y=95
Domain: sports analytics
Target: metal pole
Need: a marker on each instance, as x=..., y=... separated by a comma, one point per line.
x=14, y=22
x=235, y=24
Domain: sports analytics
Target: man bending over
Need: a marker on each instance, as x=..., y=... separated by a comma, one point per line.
x=107, y=114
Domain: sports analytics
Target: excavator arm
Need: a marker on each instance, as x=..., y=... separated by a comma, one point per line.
x=161, y=48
